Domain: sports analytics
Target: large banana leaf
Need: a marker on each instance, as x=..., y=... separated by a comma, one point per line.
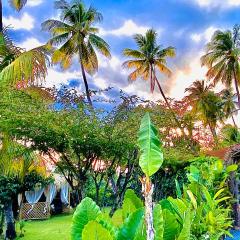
x=86, y=211
x=130, y=194
x=95, y=231
x=130, y=227
x=151, y=157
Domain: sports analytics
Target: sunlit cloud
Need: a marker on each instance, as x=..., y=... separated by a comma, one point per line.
x=25, y=22
x=218, y=3
x=30, y=43
x=33, y=3
x=204, y=36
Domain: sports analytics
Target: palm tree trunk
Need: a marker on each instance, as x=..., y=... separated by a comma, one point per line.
x=214, y=134
x=85, y=79
x=234, y=122
x=237, y=88
x=1, y=20
x=10, y=231
x=168, y=105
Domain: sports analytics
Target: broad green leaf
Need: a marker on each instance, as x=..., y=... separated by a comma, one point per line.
x=171, y=225
x=158, y=222
x=130, y=227
x=117, y=217
x=186, y=229
x=134, y=198
x=151, y=157
x=95, y=231
x=127, y=208
x=86, y=211
x=105, y=220
x=232, y=168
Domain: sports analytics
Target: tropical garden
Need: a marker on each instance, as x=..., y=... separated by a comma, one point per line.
x=136, y=169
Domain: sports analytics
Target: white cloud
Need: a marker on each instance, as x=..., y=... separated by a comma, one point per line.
x=218, y=3
x=56, y=78
x=33, y=3
x=30, y=43
x=25, y=22
x=183, y=78
x=204, y=36
x=128, y=28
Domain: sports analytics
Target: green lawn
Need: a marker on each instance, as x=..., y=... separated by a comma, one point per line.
x=56, y=228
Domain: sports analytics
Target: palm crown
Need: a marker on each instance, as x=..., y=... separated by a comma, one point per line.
x=222, y=58
x=77, y=36
x=148, y=58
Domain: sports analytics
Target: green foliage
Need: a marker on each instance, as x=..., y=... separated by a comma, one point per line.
x=151, y=157
x=86, y=211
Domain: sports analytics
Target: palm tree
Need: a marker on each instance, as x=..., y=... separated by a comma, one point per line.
x=229, y=106
x=77, y=35
x=206, y=105
x=222, y=59
x=149, y=59
x=16, y=162
x=17, y=4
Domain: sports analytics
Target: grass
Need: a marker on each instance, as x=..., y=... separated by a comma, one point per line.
x=55, y=228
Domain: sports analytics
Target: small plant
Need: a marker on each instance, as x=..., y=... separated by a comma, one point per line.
x=21, y=227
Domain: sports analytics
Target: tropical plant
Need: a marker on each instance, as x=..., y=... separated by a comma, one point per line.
x=230, y=135
x=148, y=60
x=206, y=105
x=16, y=163
x=151, y=159
x=20, y=67
x=222, y=59
x=77, y=34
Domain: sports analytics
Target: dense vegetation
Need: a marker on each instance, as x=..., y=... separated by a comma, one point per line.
x=179, y=192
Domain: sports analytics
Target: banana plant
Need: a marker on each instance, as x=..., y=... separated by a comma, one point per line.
x=151, y=159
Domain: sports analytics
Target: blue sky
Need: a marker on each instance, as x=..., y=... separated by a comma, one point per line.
x=185, y=24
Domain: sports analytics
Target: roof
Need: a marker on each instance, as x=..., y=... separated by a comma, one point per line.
x=224, y=153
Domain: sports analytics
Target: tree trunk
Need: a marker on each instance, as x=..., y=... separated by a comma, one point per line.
x=237, y=88
x=169, y=107
x=234, y=123
x=10, y=223
x=1, y=221
x=147, y=188
x=214, y=134
x=1, y=16
x=85, y=79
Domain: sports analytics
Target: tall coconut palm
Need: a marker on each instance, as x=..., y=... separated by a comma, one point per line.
x=77, y=35
x=228, y=103
x=206, y=105
x=17, y=4
x=148, y=60
x=222, y=59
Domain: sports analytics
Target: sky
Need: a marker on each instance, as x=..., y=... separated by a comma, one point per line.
x=186, y=25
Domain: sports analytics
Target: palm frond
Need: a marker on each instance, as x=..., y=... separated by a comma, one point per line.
x=29, y=67
x=18, y=4
x=100, y=45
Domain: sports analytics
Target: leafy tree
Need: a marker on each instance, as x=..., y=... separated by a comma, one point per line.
x=230, y=135
x=206, y=104
x=222, y=59
x=77, y=35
